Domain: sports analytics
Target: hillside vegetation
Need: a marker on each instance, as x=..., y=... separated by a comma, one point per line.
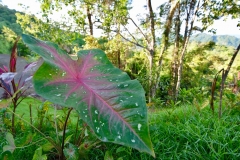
x=8, y=19
x=225, y=40
x=8, y=26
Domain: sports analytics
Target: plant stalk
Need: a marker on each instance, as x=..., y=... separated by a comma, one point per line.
x=64, y=132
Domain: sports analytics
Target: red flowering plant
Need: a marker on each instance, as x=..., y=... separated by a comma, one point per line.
x=14, y=89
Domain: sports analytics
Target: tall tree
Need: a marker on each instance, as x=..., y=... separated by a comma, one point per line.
x=175, y=54
x=147, y=41
x=191, y=8
x=165, y=40
x=89, y=13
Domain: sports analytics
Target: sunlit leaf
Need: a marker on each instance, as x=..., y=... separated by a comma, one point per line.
x=47, y=147
x=108, y=156
x=10, y=139
x=38, y=155
x=11, y=145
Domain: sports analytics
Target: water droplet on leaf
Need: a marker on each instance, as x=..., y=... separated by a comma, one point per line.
x=63, y=74
x=139, y=126
x=104, y=139
x=97, y=128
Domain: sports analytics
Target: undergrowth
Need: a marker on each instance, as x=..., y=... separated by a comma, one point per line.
x=186, y=133
x=177, y=133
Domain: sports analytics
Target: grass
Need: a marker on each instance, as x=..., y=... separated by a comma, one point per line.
x=185, y=133
x=23, y=109
x=176, y=133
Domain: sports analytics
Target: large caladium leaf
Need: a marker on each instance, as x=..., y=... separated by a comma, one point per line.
x=106, y=98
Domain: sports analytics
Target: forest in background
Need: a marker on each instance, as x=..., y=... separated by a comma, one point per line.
x=8, y=19
x=201, y=61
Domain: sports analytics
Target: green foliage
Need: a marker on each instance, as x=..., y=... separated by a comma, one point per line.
x=9, y=34
x=104, y=14
x=5, y=46
x=177, y=133
x=186, y=133
x=8, y=19
x=45, y=29
x=9, y=30
x=38, y=155
x=11, y=145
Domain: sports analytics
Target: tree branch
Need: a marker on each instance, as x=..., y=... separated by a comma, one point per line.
x=130, y=33
x=139, y=29
x=135, y=43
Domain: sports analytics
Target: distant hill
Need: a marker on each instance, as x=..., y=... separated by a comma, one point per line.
x=8, y=19
x=218, y=39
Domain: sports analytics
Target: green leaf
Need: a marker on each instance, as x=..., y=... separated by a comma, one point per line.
x=38, y=155
x=67, y=140
x=11, y=147
x=121, y=149
x=8, y=148
x=113, y=105
x=108, y=156
x=47, y=147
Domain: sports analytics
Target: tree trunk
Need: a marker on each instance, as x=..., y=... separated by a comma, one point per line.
x=187, y=35
x=151, y=46
x=164, y=43
x=119, y=51
x=175, y=55
x=89, y=16
x=224, y=77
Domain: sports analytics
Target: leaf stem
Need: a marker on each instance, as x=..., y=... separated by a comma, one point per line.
x=64, y=132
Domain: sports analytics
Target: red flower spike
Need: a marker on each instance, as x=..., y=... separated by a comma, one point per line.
x=13, y=58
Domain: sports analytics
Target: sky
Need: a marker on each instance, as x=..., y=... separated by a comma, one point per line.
x=228, y=27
